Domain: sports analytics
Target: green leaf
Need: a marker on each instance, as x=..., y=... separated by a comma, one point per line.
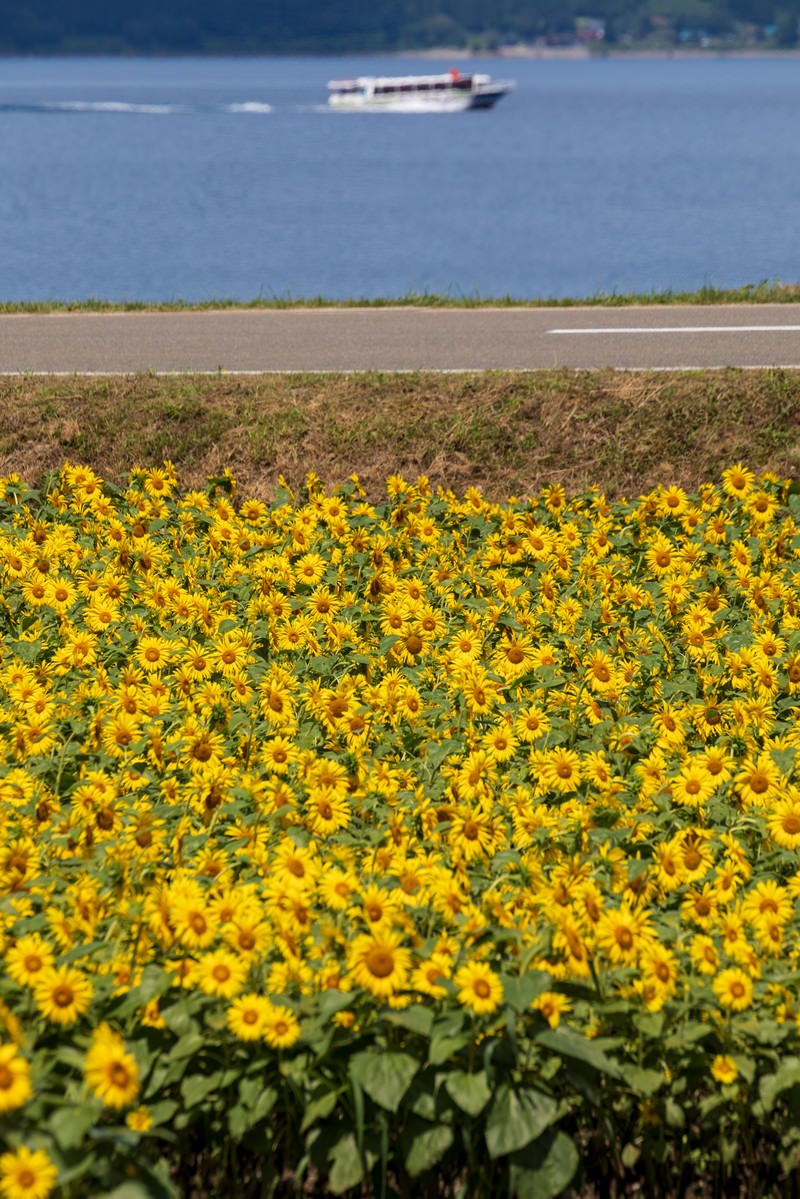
x=421, y=1099
x=571, y=1044
x=444, y=1048
x=630, y=1155
x=132, y=1189
x=384, y=1076
x=471, y=1092
x=674, y=1114
x=519, y=991
x=418, y=1019
x=318, y=1109
x=427, y=1147
x=154, y=1179
x=239, y=1121
x=687, y=1034
x=437, y=751
x=347, y=1169
x=771, y=1085
x=642, y=1081
x=651, y=1024
x=516, y=1118
x=69, y=1125
x=264, y=1104
x=195, y=1088
x=333, y=1001
x=546, y=1168
x=154, y=982
x=161, y=1112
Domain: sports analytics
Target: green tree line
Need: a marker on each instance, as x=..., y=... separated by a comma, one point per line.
x=337, y=26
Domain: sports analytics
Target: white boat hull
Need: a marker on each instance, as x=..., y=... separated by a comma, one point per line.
x=426, y=93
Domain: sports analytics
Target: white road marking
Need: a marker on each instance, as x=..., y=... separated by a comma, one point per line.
x=686, y=329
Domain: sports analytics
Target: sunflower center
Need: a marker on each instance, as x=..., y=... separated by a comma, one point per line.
x=119, y=1074
x=624, y=938
x=63, y=996
x=379, y=962
x=6, y=1078
x=250, y=1016
x=481, y=988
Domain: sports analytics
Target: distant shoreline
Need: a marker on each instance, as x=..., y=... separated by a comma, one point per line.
x=580, y=52
x=576, y=53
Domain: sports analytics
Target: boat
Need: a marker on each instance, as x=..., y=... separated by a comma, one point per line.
x=449, y=92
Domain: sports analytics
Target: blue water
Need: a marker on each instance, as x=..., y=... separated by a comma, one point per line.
x=196, y=179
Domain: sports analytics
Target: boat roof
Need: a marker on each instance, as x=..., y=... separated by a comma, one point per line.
x=400, y=80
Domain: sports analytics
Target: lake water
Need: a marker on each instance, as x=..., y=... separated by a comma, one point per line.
x=198, y=179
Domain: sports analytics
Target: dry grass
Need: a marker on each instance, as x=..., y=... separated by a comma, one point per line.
x=506, y=433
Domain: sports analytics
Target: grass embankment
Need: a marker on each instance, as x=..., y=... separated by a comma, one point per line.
x=506, y=433
x=765, y=292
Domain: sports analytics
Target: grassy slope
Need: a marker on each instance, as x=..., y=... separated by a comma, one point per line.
x=507, y=433
x=766, y=292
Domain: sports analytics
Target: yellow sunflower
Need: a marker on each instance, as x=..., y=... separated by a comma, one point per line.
x=221, y=973
x=15, y=1083
x=281, y=1028
x=62, y=994
x=247, y=1016
x=110, y=1071
x=734, y=989
x=379, y=962
x=724, y=1069
x=479, y=988
x=26, y=1174
x=623, y=934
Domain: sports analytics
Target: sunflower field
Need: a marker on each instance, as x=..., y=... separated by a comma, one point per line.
x=435, y=847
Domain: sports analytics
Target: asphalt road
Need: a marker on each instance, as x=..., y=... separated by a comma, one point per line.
x=407, y=339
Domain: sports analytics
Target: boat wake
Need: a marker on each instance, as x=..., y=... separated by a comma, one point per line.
x=157, y=110
x=250, y=107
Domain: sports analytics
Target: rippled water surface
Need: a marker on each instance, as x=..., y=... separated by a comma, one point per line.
x=230, y=178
